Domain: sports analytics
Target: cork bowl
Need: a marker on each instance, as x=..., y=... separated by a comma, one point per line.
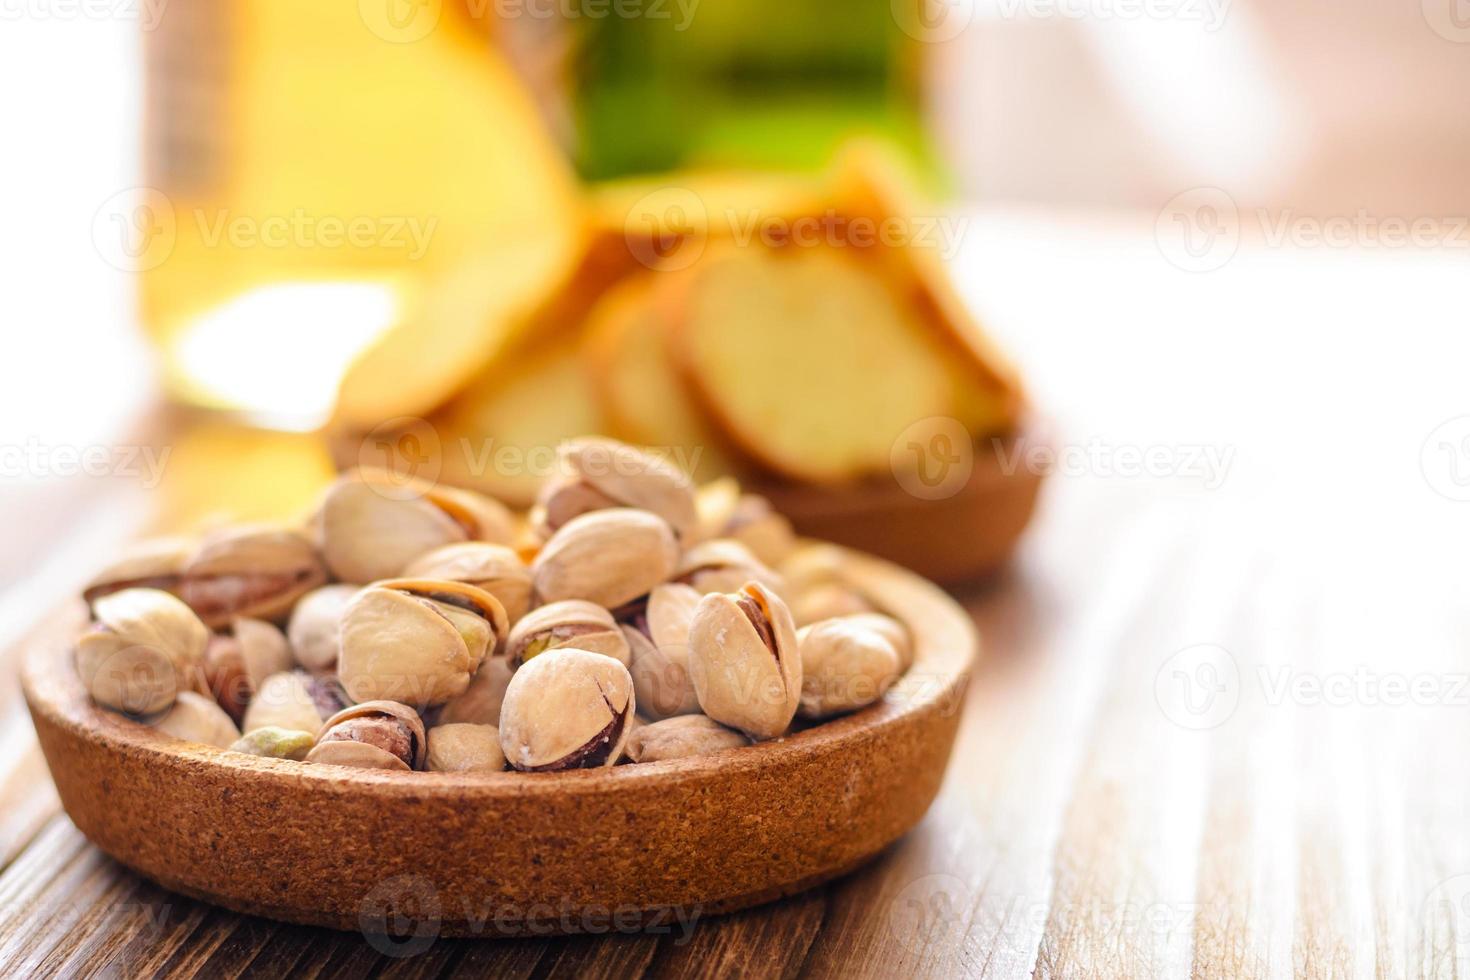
x=416, y=854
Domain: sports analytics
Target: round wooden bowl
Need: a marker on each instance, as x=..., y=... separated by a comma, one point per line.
x=515, y=853
x=962, y=536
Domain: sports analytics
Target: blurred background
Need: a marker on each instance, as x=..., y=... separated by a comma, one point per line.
x=1210, y=204
x=1200, y=271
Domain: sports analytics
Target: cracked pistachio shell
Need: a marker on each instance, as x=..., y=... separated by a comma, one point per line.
x=145, y=647
x=157, y=563
x=372, y=526
x=813, y=564
x=195, y=718
x=723, y=565
x=416, y=640
x=465, y=748
x=496, y=568
x=316, y=625
x=566, y=709
x=845, y=665
x=633, y=477
x=250, y=572
x=569, y=623
x=287, y=700
x=276, y=743
x=350, y=737
x=609, y=557
x=660, y=652
x=681, y=738
x=481, y=701
x=744, y=661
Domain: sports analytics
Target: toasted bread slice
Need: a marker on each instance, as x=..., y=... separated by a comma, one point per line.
x=500, y=435
x=809, y=359
x=643, y=396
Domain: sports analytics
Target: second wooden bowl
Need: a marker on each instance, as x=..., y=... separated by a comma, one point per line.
x=427, y=854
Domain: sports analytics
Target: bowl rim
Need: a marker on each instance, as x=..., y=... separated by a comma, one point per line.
x=946, y=645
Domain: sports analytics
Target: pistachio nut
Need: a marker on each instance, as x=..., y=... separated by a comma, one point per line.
x=606, y=473
x=157, y=563
x=681, y=738
x=658, y=639
x=481, y=701
x=294, y=700
x=316, y=625
x=465, y=748
x=845, y=665
x=762, y=529
x=255, y=572
x=566, y=709
x=563, y=498
x=814, y=564
x=418, y=641
x=237, y=663
x=372, y=525
x=723, y=565
x=744, y=661
x=890, y=629
x=275, y=743
x=569, y=623
x=609, y=557
x=372, y=735
x=827, y=600
x=195, y=718
x=144, y=647
x=496, y=568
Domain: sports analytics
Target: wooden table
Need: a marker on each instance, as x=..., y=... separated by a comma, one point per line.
x=1219, y=728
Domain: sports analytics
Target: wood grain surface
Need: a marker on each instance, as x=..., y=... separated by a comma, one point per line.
x=1219, y=728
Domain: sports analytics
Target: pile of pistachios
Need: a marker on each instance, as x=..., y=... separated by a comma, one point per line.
x=629, y=616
